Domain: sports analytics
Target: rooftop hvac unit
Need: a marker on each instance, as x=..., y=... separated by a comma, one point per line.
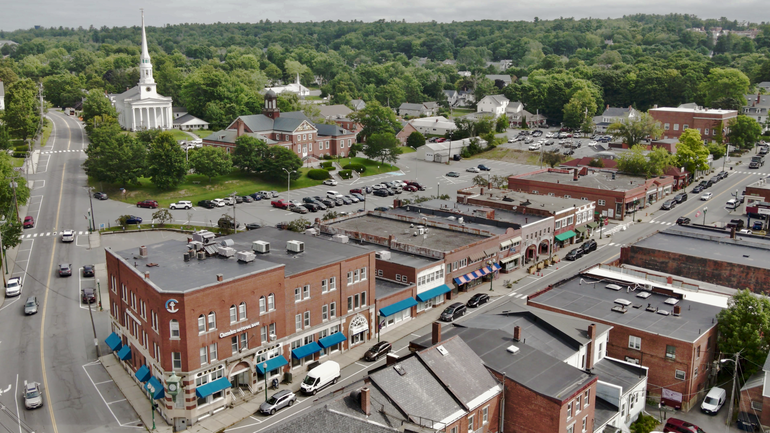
x=614, y=287
x=513, y=349
x=343, y=239
x=226, y=251
x=671, y=301
x=227, y=242
x=195, y=245
x=295, y=246
x=643, y=295
x=203, y=236
x=311, y=232
x=246, y=256
x=261, y=247
x=382, y=255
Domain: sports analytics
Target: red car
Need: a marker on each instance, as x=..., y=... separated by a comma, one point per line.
x=280, y=204
x=152, y=204
x=356, y=191
x=29, y=222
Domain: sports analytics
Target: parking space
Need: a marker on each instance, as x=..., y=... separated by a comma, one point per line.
x=113, y=399
x=33, y=210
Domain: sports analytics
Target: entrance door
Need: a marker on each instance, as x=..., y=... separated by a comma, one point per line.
x=304, y=150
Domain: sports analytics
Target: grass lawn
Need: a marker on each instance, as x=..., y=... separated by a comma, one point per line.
x=457, y=112
x=407, y=149
x=179, y=135
x=17, y=162
x=203, y=133
x=196, y=187
x=372, y=167
x=47, y=128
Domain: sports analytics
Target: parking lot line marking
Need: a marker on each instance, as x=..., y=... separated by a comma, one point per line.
x=102, y=397
x=116, y=401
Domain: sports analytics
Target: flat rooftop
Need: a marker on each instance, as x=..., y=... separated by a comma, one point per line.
x=465, y=210
x=699, y=110
x=549, y=203
x=711, y=244
x=383, y=287
x=170, y=273
x=596, y=179
x=589, y=297
x=619, y=373
x=437, y=238
x=399, y=257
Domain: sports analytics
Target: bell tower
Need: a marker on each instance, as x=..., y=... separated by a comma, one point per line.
x=146, y=80
x=271, y=105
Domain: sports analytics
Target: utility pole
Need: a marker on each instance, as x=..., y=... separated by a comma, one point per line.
x=732, y=394
x=96, y=340
x=235, y=224
x=91, y=201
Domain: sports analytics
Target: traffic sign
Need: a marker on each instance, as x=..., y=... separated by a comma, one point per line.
x=606, y=221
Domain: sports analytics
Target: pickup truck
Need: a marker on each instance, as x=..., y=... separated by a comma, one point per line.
x=737, y=223
x=280, y=204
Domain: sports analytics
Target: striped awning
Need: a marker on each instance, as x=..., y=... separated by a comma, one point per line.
x=476, y=274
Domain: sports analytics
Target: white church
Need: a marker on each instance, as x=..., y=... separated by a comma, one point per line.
x=141, y=107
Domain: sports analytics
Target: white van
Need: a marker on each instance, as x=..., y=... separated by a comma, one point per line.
x=320, y=377
x=732, y=204
x=333, y=194
x=714, y=401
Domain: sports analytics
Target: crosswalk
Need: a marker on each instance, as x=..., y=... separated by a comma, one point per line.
x=61, y=151
x=518, y=295
x=42, y=235
x=664, y=223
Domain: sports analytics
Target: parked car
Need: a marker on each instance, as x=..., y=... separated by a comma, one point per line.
x=675, y=425
x=758, y=225
x=359, y=196
x=683, y=221
x=218, y=202
x=697, y=189
x=253, y=226
x=182, y=204
x=706, y=196
x=453, y=174
x=13, y=287
x=668, y=205
x=681, y=197
x=88, y=271
x=534, y=146
x=88, y=295
x=737, y=223
x=356, y=191
x=100, y=196
x=256, y=196
x=280, y=204
x=352, y=198
x=246, y=199
x=483, y=167
x=33, y=398
x=151, y=204
x=732, y=204
x=65, y=269
x=411, y=188
x=346, y=200
x=133, y=219
x=380, y=193
x=413, y=183
x=574, y=254
x=477, y=300
x=453, y=311
x=379, y=349
x=29, y=222
x=208, y=204
x=326, y=202
x=67, y=236
x=473, y=170
x=381, y=209
x=588, y=246
x=330, y=182
x=722, y=174
x=278, y=401
x=312, y=206
x=298, y=209
x=30, y=307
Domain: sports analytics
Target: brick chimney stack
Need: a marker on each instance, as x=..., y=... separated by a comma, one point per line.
x=517, y=333
x=366, y=402
x=391, y=359
x=590, y=347
x=435, y=334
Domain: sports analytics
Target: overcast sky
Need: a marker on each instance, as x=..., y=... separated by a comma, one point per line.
x=23, y=14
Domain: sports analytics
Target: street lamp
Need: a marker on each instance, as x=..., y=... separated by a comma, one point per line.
x=288, y=184
x=705, y=209
x=264, y=368
x=92, y=226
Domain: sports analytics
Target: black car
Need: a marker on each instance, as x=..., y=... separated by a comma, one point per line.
x=453, y=311
x=574, y=254
x=483, y=167
x=308, y=200
x=312, y=206
x=320, y=204
x=679, y=198
x=381, y=209
x=588, y=246
x=379, y=349
x=100, y=196
x=208, y=204
x=715, y=179
x=477, y=299
x=328, y=203
x=88, y=295
x=722, y=175
x=380, y=193
x=252, y=226
x=697, y=189
x=683, y=220
x=569, y=152
x=246, y=199
x=88, y=270
x=668, y=205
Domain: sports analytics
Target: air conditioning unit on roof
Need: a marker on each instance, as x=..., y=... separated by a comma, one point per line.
x=261, y=247
x=295, y=246
x=246, y=256
x=226, y=251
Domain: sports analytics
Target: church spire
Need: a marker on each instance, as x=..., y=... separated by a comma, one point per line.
x=145, y=65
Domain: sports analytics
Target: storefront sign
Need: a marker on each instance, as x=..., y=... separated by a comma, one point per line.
x=235, y=331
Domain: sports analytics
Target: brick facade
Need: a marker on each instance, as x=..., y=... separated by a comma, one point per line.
x=674, y=121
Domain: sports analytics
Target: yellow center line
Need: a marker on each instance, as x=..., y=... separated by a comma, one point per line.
x=45, y=299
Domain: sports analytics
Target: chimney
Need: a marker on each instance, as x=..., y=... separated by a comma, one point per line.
x=575, y=175
x=366, y=403
x=241, y=129
x=391, y=359
x=517, y=333
x=590, y=346
x=143, y=252
x=669, y=280
x=592, y=331
x=482, y=190
x=391, y=238
x=677, y=310
x=489, y=185
x=732, y=232
x=435, y=334
x=146, y=275
x=220, y=277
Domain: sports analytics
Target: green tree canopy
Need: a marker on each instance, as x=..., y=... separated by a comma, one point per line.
x=11, y=230
x=690, y=151
x=744, y=326
x=415, y=140
x=724, y=83
x=581, y=106
x=21, y=114
x=376, y=119
x=249, y=153
x=278, y=159
x=166, y=165
x=383, y=147
x=633, y=131
x=114, y=156
x=744, y=131
x=210, y=161
x=97, y=104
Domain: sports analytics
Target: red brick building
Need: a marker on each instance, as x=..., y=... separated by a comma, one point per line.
x=616, y=195
x=215, y=313
x=706, y=120
x=755, y=395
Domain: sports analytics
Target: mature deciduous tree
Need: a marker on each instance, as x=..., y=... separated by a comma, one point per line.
x=744, y=326
x=210, y=161
x=744, y=131
x=724, y=83
x=166, y=165
x=97, y=104
x=280, y=158
x=375, y=119
x=114, y=157
x=633, y=131
x=249, y=153
x=383, y=147
x=690, y=151
x=415, y=140
x=21, y=109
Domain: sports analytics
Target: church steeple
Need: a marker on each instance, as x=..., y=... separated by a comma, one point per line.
x=145, y=65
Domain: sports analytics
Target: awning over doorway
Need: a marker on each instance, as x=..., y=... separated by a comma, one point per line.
x=272, y=364
x=398, y=306
x=113, y=341
x=564, y=236
x=432, y=293
x=206, y=390
x=476, y=274
x=124, y=353
x=305, y=350
x=581, y=229
x=593, y=224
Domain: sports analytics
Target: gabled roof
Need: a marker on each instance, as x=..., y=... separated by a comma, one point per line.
x=336, y=111
x=616, y=112
x=504, y=78
x=411, y=106
x=358, y=104
x=495, y=99
x=325, y=130
x=2, y=90
x=450, y=93
x=287, y=122
x=189, y=118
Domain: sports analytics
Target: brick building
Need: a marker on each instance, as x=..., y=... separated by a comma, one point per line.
x=292, y=130
x=674, y=120
x=755, y=395
x=223, y=314
x=616, y=195
x=668, y=327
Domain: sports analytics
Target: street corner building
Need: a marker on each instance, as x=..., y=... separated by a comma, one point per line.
x=228, y=315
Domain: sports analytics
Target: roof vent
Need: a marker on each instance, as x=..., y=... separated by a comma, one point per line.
x=651, y=309
x=295, y=246
x=671, y=301
x=442, y=350
x=246, y=256
x=663, y=312
x=643, y=295
x=382, y=255
x=513, y=349
x=311, y=232
x=623, y=302
x=261, y=247
x=343, y=239
x=399, y=369
x=614, y=287
x=619, y=309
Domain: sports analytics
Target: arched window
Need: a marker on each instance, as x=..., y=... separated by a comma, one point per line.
x=201, y=323
x=212, y=320
x=262, y=306
x=270, y=302
x=174, y=327
x=233, y=314
x=242, y=311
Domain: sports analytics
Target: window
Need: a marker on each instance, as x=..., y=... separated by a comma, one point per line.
x=694, y=372
x=333, y=283
x=263, y=334
x=298, y=322
x=679, y=374
x=156, y=349
x=270, y=302
x=557, y=225
x=485, y=415
x=569, y=220
x=586, y=395
x=676, y=127
x=244, y=341
x=324, y=286
x=670, y=352
x=363, y=299
x=685, y=126
x=327, y=144
x=307, y=319
x=470, y=424
x=262, y=306
x=585, y=422
x=363, y=274
x=242, y=311
x=213, y=352
x=212, y=321
x=379, y=272
x=325, y=313
x=310, y=146
x=666, y=126
x=204, y=356
x=234, y=343
x=634, y=342
x=176, y=360
x=577, y=405
x=350, y=278
x=453, y=430
x=350, y=303
x=601, y=202
x=571, y=428
x=697, y=352
x=569, y=410
x=333, y=310
x=297, y=294
x=398, y=277
x=356, y=301
x=756, y=405
x=154, y=318
x=201, y=324
x=272, y=329
x=601, y=351
x=174, y=328
x=233, y=314
x=306, y=292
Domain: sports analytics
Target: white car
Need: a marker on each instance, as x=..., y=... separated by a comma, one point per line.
x=219, y=202
x=535, y=146
x=330, y=182
x=473, y=170
x=68, y=236
x=13, y=287
x=706, y=196
x=33, y=398
x=181, y=205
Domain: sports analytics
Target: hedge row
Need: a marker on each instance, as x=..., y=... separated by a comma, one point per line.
x=318, y=174
x=355, y=166
x=326, y=164
x=346, y=174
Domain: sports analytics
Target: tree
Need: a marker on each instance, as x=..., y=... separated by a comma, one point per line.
x=690, y=151
x=716, y=150
x=376, y=119
x=659, y=159
x=383, y=147
x=634, y=161
x=210, y=161
x=744, y=131
x=21, y=114
x=415, y=140
x=5, y=138
x=97, y=104
x=249, y=153
x=501, y=123
x=744, y=326
x=166, y=162
x=633, y=131
x=115, y=157
x=724, y=83
x=480, y=180
x=12, y=228
x=64, y=90
x=162, y=217
x=580, y=107
x=280, y=158
x=299, y=225
x=553, y=159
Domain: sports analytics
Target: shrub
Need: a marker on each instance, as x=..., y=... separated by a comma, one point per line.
x=326, y=164
x=318, y=174
x=22, y=148
x=19, y=154
x=346, y=174
x=332, y=168
x=327, y=156
x=355, y=166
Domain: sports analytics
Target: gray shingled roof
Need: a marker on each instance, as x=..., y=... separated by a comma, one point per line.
x=411, y=106
x=334, y=110
x=618, y=373
x=504, y=78
x=325, y=130
x=326, y=420
x=616, y=112
x=188, y=118
x=499, y=99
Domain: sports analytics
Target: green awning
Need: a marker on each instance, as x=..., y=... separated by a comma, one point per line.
x=581, y=230
x=593, y=224
x=564, y=236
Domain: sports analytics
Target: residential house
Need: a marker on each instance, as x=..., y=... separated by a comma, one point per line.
x=707, y=121
x=188, y=122
x=333, y=112
x=417, y=110
x=493, y=104
x=178, y=112
x=357, y=104
x=451, y=97
x=764, y=85
x=465, y=97
x=614, y=115
x=757, y=108
x=500, y=80
x=501, y=65
x=516, y=113
x=405, y=132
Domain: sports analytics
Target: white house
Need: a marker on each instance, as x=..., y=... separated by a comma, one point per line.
x=612, y=115
x=188, y=122
x=141, y=107
x=443, y=152
x=493, y=104
x=437, y=125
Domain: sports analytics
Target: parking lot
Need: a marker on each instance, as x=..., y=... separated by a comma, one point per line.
x=576, y=147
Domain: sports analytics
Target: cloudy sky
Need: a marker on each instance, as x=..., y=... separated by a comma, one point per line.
x=23, y=14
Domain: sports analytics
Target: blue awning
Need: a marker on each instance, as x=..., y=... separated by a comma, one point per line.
x=336, y=338
x=432, y=293
x=272, y=364
x=124, y=353
x=142, y=374
x=206, y=390
x=305, y=350
x=155, y=387
x=398, y=306
x=113, y=341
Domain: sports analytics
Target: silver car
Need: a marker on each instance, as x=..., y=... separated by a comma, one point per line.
x=30, y=307
x=33, y=399
x=278, y=401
